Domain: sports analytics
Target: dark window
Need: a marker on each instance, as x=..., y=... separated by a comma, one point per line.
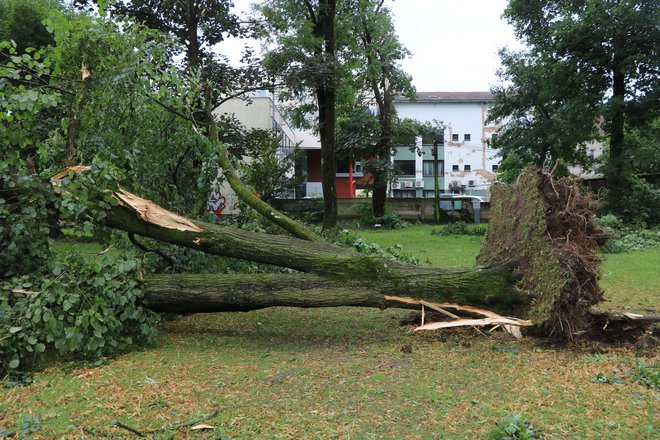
x=454, y=137
x=406, y=167
x=467, y=168
x=466, y=137
x=428, y=168
x=454, y=167
x=400, y=194
x=342, y=166
x=495, y=167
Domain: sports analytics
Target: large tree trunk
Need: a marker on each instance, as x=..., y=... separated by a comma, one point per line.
x=485, y=287
x=537, y=262
x=326, y=96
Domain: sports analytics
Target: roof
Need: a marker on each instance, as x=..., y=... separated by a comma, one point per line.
x=450, y=97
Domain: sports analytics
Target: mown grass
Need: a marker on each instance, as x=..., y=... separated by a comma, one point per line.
x=341, y=373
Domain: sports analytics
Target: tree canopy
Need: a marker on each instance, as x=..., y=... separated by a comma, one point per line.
x=589, y=72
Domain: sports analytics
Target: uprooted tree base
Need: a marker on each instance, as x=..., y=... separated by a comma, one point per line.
x=537, y=263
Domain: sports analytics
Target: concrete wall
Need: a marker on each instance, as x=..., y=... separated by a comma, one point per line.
x=409, y=209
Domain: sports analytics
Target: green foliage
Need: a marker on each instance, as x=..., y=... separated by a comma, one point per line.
x=609, y=221
x=559, y=93
x=640, y=204
x=21, y=21
x=627, y=238
x=389, y=220
x=647, y=375
x=513, y=427
x=82, y=307
x=606, y=378
x=461, y=228
x=266, y=172
x=350, y=239
x=23, y=226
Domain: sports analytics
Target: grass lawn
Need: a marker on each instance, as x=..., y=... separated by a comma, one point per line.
x=340, y=373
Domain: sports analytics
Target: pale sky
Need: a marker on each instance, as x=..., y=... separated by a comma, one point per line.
x=454, y=43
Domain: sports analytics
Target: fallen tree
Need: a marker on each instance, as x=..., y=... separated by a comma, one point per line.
x=537, y=262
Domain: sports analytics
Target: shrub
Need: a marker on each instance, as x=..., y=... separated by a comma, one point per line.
x=627, y=237
x=389, y=220
x=461, y=228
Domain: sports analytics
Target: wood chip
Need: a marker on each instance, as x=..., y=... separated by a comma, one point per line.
x=79, y=169
x=201, y=426
x=472, y=322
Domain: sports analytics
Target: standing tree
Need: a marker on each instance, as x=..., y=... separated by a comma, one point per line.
x=306, y=57
x=590, y=65
x=377, y=52
x=547, y=116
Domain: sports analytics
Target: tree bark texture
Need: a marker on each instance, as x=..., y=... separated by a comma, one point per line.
x=485, y=287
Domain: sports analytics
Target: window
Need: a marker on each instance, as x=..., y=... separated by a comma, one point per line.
x=400, y=194
x=454, y=167
x=428, y=168
x=495, y=167
x=406, y=167
x=467, y=168
x=342, y=166
x=466, y=137
x=454, y=137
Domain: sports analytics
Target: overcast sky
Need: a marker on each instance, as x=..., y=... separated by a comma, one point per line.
x=454, y=43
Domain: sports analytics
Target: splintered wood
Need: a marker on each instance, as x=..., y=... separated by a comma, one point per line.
x=509, y=324
x=154, y=214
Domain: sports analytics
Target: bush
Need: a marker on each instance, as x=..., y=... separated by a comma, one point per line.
x=627, y=238
x=641, y=203
x=461, y=228
x=389, y=220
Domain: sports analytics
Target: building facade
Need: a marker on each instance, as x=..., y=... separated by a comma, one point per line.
x=467, y=163
x=256, y=111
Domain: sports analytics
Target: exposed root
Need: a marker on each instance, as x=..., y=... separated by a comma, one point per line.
x=546, y=226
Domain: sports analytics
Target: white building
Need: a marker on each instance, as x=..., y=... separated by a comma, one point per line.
x=468, y=163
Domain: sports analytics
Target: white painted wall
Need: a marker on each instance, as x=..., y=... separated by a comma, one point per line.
x=460, y=118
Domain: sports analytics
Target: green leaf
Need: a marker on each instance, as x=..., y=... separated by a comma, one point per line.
x=14, y=363
x=40, y=347
x=13, y=330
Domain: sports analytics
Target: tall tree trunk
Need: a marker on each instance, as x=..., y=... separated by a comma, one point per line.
x=383, y=149
x=619, y=172
x=326, y=96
